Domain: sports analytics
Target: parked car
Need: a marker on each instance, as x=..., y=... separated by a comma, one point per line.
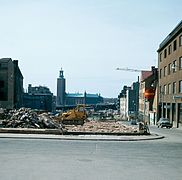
x=164, y=122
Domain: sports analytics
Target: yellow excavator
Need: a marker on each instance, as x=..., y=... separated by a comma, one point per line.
x=75, y=116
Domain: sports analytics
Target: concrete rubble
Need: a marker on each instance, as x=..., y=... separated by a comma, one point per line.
x=26, y=118
x=102, y=127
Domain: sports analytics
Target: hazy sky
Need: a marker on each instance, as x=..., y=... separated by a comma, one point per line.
x=89, y=39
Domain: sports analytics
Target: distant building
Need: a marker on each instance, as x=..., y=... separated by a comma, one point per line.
x=66, y=99
x=129, y=101
x=122, y=103
x=132, y=100
x=148, y=81
x=170, y=76
x=39, y=97
x=11, y=84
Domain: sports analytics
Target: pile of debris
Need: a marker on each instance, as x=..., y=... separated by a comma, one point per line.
x=102, y=127
x=27, y=118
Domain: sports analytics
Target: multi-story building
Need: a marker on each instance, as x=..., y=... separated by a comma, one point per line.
x=11, y=84
x=170, y=76
x=129, y=101
x=122, y=103
x=148, y=84
x=39, y=97
x=71, y=99
x=132, y=100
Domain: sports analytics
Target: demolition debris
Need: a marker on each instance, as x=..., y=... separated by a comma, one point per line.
x=102, y=127
x=27, y=118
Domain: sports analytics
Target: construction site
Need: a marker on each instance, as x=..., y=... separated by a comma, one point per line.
x=75, y=121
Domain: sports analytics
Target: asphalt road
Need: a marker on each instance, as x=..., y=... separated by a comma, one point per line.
x=30, y=159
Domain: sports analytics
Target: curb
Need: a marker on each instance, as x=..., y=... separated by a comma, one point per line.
x=81, y=137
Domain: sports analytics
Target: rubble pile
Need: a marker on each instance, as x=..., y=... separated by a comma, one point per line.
x=27, y=118
x=103, y=127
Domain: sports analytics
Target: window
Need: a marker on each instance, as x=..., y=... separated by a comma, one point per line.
x=174, y=66
x=1, y=84
x=180, y=86
x=169, y=88
x=160, y=57
x=165, y=89
x=180, y=40
x=174, y=45
x=165, y=53
x=160, y=75
x=174, y=87
x=169, y=49
x=165, y=71
x=169, y=69
x=160, y=89
x=3, y=65
x=180, y=63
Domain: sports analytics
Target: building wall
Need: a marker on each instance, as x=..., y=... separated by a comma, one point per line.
x=38, y=101
x=146, y=105
x=170, y=76
x=11, y=84
x=39, y=97
x=18, y=86
x=74, y=100
x=123, y=107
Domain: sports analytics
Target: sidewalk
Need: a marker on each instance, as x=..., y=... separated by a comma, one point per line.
x=83, y=137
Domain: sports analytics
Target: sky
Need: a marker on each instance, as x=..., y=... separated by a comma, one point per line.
x=88, y=39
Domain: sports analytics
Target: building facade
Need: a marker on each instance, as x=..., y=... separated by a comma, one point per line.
x=170, y=76
x=129, y=101
x=11, y=84
x=132, y=101
x=148, y=82
x=40, y=98
x=71, y=99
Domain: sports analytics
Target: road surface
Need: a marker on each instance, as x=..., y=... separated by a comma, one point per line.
x=45, y=159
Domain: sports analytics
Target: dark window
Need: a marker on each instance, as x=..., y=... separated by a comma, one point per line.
x=174, y=87
x=160, y=57
x=165, y=53
x=165, y=71
x=169, y=69
x=180, y=40
x=169, y=49
x=160, y=75
x=1, y=84
x=174, y=45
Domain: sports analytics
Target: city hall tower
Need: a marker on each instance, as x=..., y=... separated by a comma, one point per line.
x=61, y=89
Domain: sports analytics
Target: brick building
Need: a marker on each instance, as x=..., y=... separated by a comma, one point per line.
x=170, y=76
x=11, y=84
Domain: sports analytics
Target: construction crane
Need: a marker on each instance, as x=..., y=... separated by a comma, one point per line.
x=129, y=69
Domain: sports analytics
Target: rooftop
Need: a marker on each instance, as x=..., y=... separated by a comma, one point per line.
x=145, y=74
x=81, y=95
x=173, y=33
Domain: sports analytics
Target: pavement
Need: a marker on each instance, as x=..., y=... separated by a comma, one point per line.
x=83, y=137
